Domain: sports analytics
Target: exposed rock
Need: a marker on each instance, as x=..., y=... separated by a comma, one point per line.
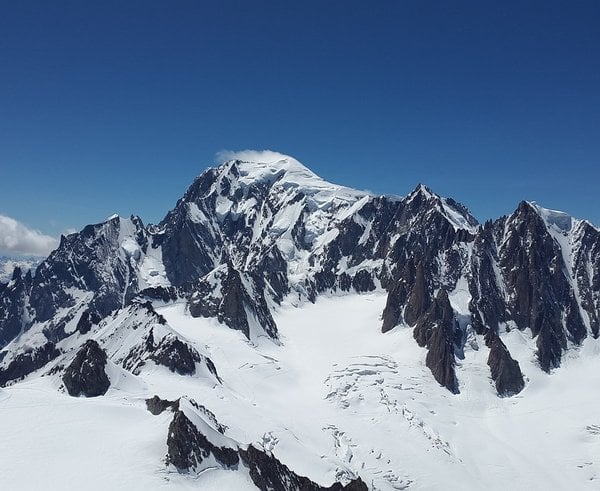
x=87, y=320
x=166, y=294
x=176, y=355
x=170, y=351
x=13, y=304
x=157, y=406
x=534, y=270
x=188, y=447
x=86, y=375
x=232, y=309
x=189, y=239
x=236, y=299
x=363, y=281
x=269, y=474
x=586, y=269
x=437, y=330
x=506, y=372
x=394, y=306
x=419, y=299
x=488, y=307
x=25, y=363
x=88, y=260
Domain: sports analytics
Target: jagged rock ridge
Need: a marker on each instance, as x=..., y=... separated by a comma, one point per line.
x=194, y=444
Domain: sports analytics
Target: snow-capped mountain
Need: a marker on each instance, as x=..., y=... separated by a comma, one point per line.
x=233, y=301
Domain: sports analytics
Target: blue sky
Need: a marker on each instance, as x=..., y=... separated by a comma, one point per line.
x=114, y=107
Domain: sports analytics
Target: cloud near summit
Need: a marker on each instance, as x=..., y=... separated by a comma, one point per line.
x=17, y=238
x=264, y=156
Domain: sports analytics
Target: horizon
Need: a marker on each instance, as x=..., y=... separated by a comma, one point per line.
x=111, y=108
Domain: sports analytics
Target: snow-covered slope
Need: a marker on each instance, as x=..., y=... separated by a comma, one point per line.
x=295, y=331
x=336, y=399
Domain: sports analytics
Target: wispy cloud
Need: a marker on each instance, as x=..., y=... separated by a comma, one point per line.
x=263, y=156
x=17, y=238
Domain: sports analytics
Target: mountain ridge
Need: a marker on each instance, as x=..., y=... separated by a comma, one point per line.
x=292, y=224
x=248, y=239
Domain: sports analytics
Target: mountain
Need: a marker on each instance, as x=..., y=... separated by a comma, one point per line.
x=249, y=297
x=9, y=263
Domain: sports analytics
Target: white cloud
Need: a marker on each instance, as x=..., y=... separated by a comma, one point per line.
x=18, y=238
x=262, y=156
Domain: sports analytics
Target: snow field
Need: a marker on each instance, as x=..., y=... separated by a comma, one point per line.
x=337, y=398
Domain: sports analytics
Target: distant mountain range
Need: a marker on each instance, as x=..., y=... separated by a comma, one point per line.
x=250, y=240
x=24, y=263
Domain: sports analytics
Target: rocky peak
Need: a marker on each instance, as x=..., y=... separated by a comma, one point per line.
x=86, y=374
x=17, y=274
x=536, y=263
x=437, y=329
x=423, y=199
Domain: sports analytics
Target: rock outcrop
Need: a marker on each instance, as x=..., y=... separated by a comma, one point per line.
x=437, y=330
x=193, y=444
x=188, y=447
x=157, y=406
x=506, y=372
x=86, y=374
x=87, y=320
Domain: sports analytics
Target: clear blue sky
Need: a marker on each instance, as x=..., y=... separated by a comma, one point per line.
x=115, y=106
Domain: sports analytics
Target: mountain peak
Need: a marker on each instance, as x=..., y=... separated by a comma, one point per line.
x=263, y=164
x=553, y=218
x=250, y=166
x=271, y=168
x=424, y=191
x=457, y=214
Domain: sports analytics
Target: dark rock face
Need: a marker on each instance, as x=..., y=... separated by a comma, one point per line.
x=85, y=261
x=87, y=320
x=437, y=330
x=25, y=363
x=533, y=268
x=419, y=298
x=428, y=253
x=188, y=447
x=394, y=306
x=176, y=355
x=586, y=271
x=506, y=372
x=13, y=303
x=86, y=375
x=269, y=474
x=232, y=309
x=230, y=296
x=166, y=294
x=157, y=406
x=89, y=261
x=488, y=307
x=170, y=352
x=179, y=241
